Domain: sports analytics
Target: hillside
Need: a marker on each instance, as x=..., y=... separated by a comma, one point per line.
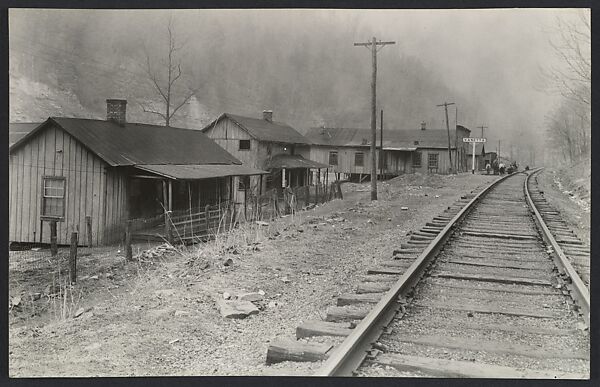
x=68, y=63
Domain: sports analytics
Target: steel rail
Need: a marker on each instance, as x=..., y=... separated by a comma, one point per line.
x=579, y=291
x=348, y=356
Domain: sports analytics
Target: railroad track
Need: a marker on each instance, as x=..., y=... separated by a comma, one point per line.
x=483, y=291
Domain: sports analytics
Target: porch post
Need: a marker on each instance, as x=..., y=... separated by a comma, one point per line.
x=283, y=182
x=261, y=184
x=166, y=211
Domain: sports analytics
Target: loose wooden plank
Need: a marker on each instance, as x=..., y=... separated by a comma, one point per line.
x=353, y=299
x=483, y=309
x=344, y=313
x=477, y=345
x=288, y=350
x=493, y=278
x=323, y=328
x=467, y=369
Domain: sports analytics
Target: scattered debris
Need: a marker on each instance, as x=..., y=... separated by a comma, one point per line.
x=157, y=251
x=36, y=296
x=173, y=341
x=226, y=296
x=236, y=309
x=404, y=208
x=15, y=301
x=285, y=280
x=79, y=312
x=179, y=313
x=94, y=277
x=261, y=292
x=252, y=297
x=227, y=262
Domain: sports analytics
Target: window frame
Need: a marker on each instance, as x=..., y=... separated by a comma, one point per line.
x=43, y=197
x=244, y=141
x=362, y=159
x=437, y=160
x=337, y=160
x=241, y=182
x=420, y=158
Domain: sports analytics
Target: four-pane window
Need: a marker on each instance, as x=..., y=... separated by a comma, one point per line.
x=244, y=145
x=432, y=160
x=53, y=197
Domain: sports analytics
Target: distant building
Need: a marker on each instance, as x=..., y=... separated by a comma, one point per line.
x=479, y=156
x=489, y=157
x=67, y=169
x=267, y=145
x=347, y=150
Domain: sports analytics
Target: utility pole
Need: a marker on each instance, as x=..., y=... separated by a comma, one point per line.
x=456, y=138
x=482, y=127
x=381, y=146
x=373, y=47
x=445, y=105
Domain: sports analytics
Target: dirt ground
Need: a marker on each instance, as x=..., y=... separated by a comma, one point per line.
x=568, y=190
x=158, y=316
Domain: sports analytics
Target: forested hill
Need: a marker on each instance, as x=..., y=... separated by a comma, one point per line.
x=305, y=69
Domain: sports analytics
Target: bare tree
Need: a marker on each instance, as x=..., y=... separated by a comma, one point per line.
x=572, y=45
x=165, y=84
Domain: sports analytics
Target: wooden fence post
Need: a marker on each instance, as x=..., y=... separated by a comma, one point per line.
x=307, y=197
x=88, y=223
x=128, y=250
x=276, y=203
x=53, y=244
x=73, y=258
x=206, y=209
x=339, y=190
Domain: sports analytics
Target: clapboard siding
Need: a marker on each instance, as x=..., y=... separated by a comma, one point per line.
x=346, y=158
x=53, y=152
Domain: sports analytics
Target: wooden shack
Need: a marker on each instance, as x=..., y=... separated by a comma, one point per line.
x=81, y=171
x=267, y=145
x=347, y=150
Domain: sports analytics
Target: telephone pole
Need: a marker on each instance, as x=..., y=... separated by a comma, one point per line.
x=372, y=45
x=445, y=105
x=381, y=146
x=482, y=127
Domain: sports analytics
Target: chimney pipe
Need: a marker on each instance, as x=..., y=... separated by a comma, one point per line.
x=268, y=115
x=116, y=110
x=423, y=125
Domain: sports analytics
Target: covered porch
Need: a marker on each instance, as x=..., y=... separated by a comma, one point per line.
x=181, y=202
x=291, y=171
x=399, y=160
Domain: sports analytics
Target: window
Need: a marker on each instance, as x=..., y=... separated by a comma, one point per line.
x=333, y=158
x=359, y=159
x=53, y=197
x=432, y=160
x=244, y=183
x=417, y=160
x=244, y=145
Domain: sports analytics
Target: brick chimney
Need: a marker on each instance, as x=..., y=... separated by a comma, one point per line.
x=268, y=115
x=423, y=125
x=116, y=110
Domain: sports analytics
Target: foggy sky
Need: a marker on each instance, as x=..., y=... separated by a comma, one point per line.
x=490, y=59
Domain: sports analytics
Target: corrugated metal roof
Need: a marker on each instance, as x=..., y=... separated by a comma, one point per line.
x=18, y=130
x=134, y=143
x=192, y=172
x=293, y=161
x=264, y=130
x=429, y=138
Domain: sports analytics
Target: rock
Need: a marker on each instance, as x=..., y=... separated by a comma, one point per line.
x=79, y=312
x=36, y=296
x=389, y=219
x=404, y=208
x=252, y=297
x=94, y=277
x=226, y=295
x=261, y=223
x=285, y=280
x=272, y=304
x=437, y=196
x=15, y=301
x=236, y=309
x=227, y=262
x=109, y=276
x=261, y=292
